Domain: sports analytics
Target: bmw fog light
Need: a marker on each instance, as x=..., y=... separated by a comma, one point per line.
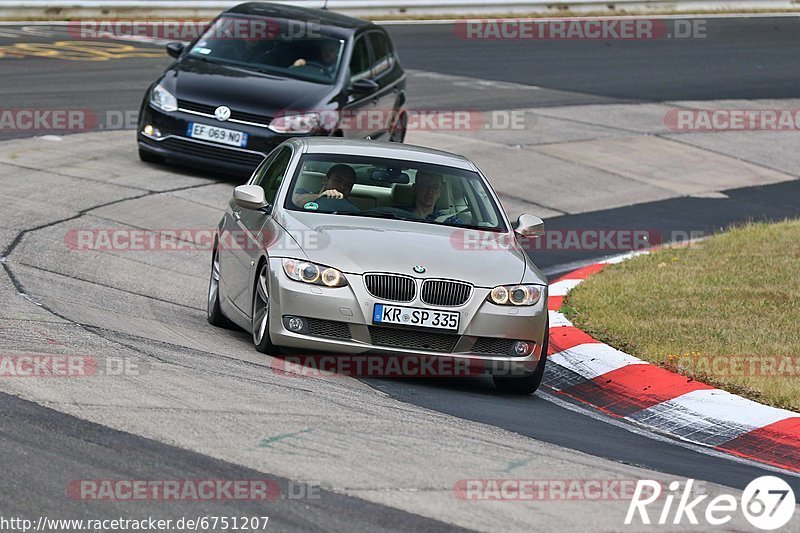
x=295, y=324
x=523, y=348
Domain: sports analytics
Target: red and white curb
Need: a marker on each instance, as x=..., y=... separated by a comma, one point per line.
x=652, y=397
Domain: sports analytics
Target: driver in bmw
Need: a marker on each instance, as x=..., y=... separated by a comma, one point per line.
x=338, y=184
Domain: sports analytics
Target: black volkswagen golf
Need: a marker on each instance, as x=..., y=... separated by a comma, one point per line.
x=262, y=73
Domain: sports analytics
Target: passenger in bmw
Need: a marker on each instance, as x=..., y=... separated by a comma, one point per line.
x=427, y=190
x=338, y=184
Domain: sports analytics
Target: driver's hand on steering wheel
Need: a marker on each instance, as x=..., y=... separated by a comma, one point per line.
x=299, y=62
x=331, y=193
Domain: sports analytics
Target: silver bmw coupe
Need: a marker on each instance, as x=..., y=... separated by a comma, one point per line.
x=365, y=247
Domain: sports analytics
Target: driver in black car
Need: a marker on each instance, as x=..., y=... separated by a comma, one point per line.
x=328, y=54
x=338, y=184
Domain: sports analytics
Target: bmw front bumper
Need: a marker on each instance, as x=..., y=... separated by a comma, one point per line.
x=339, y=320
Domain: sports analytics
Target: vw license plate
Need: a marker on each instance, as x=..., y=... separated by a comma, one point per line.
x=412, y=316
x=217, y=135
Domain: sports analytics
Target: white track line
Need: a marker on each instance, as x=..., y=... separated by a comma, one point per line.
x=629, y=427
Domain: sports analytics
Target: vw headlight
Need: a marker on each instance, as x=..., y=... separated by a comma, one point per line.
x=515, y=295
x=162, y=99
x=295, y=123
x=313, y=274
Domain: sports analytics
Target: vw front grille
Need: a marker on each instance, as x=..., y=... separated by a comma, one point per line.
x=236, y=116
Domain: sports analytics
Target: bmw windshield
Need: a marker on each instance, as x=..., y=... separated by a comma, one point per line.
x=281, y=48
x=393, y=189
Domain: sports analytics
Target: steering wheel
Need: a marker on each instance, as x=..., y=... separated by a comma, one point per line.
x=442, y=218
x=314, y=65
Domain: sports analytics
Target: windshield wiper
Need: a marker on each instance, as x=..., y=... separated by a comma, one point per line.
x=379, y=214
x=195, y=55
x=234, y=64
x=470, y=226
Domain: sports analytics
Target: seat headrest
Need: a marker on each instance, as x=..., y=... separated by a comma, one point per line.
x=310, y=181
x=403, y=195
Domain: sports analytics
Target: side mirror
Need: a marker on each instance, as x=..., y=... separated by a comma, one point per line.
x=175, y=49
x=250, y=197
x=365, y=86
x=529, y=226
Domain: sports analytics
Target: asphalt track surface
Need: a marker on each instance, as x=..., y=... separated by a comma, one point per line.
x=739, y=58
x=747, y=59
x=67, y=448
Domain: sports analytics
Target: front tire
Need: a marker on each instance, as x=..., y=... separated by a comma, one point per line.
x=529, y=384
x=260, y=314
x=213, y=311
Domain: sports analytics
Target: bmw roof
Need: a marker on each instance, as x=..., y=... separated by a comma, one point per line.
x=381, y=149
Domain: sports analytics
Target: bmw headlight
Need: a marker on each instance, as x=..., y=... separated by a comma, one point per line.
x=313, y=274
x=515, y=295
x=295, y=123
x=162, y=99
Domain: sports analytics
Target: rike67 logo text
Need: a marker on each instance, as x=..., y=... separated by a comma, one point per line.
x=767, y=503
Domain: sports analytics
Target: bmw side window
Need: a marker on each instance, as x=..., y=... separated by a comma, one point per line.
x=381, y=51
x=359, y=63
x=258, y=173
x=272, y=176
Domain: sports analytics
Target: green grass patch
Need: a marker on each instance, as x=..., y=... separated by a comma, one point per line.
x=725, y=310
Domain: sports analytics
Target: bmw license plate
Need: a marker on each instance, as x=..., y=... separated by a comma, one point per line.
x=217, y=135
x=412, y=316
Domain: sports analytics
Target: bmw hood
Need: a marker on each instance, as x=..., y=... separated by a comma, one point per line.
x=358, y=244
x=215, y=84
